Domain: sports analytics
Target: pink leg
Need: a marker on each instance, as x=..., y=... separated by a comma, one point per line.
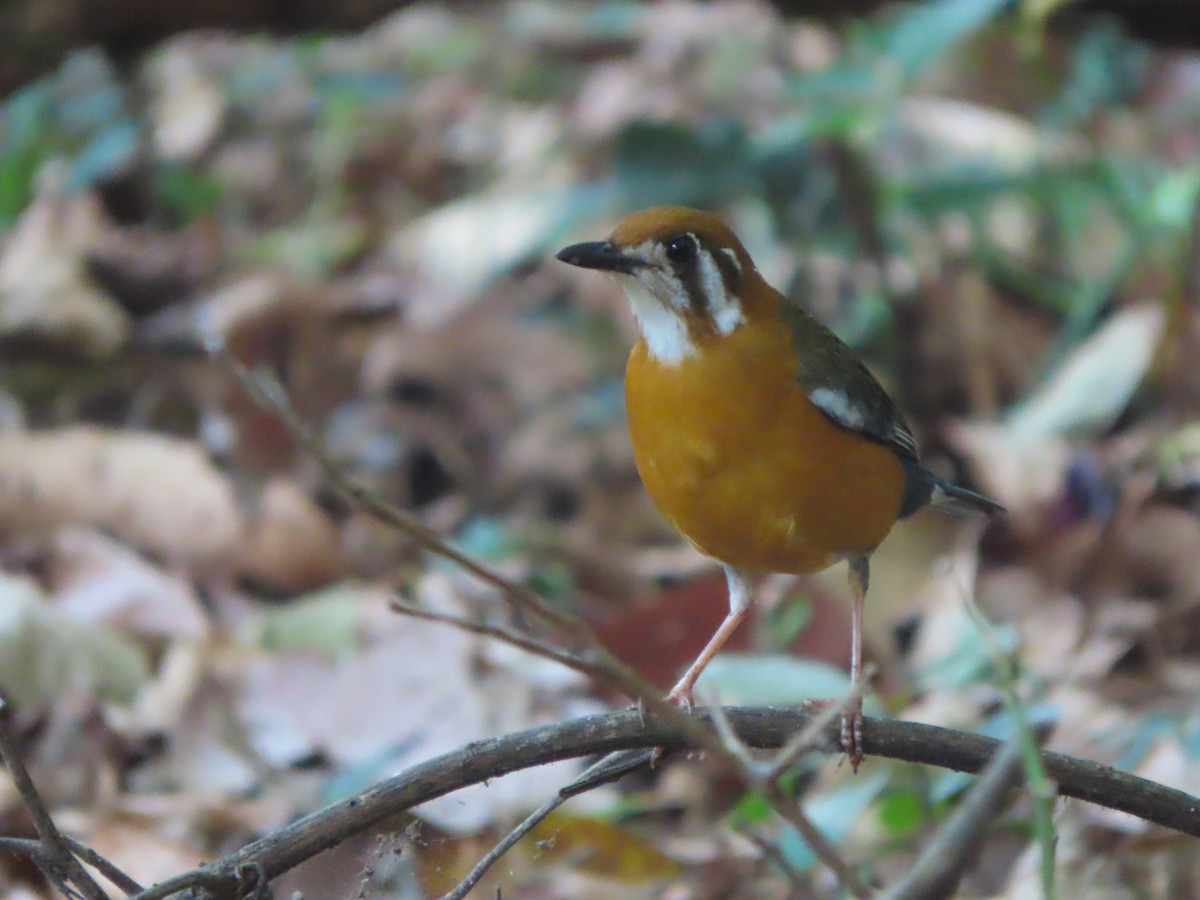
x=852, y=721
x=739, y=605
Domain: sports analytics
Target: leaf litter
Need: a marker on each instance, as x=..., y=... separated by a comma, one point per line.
x=368, y=216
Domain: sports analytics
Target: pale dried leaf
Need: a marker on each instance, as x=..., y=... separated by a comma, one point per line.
x=94, y=579
x=1091, y=388
x=159, y=494
x=188, y=104
x=498, y=230
x=290, y=544
x=45, y=292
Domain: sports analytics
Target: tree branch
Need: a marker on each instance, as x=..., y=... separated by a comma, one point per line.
x=584, y=650
x=55, y=858
x=625, y=730
x=937, y=870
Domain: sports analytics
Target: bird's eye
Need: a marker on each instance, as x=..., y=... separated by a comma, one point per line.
x=681, y=248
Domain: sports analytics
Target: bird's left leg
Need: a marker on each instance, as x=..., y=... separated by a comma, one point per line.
x=852, y=718
x=740, y=600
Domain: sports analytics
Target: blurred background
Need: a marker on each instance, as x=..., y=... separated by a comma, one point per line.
x=996, y=203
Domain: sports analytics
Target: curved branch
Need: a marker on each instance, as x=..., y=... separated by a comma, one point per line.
x=592, y=735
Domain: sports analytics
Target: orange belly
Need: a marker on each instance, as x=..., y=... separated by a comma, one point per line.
x=736, y=456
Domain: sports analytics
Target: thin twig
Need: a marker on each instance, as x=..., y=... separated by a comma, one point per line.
x=106, y=867
x=940, y=865
x=506, y=635
x=912, y=742
x=510, y=840
x=268, y=393
x=33, y=849
x=1040, y=788
x=732, y=753
x=729, y=737
x=586, y=653
x=60, y=864
x=591, y=777
x=592, y=656
x=612, y=768
x=587, y=648
x=767, y=782
x=789, y=809
x=797, y=889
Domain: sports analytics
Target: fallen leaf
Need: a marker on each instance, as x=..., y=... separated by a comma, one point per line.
x=95, y=580
x=158, y=493
x=45, y=292
x=44, y=654
x=188, y=104
x=1092, y=386
x=290, y=544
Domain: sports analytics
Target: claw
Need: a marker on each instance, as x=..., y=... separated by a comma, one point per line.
x=852, y=735
x=681, y=696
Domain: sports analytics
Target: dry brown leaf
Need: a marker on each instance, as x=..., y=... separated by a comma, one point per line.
x=142, y=850
x=1158, y=553
x=501, y=228
x=1025, y=476
x=227, y=312
x=189, y=104
x=208, y=753
x=45, y=292
x=157, y=493
x=412, y=691
x=290, y=544
x=94, y=579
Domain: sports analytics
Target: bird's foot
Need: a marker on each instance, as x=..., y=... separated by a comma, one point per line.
x=681, y=696
x=852, y=733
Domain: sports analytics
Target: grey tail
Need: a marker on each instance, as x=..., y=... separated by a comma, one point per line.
x=923, y=488
x=957, y=500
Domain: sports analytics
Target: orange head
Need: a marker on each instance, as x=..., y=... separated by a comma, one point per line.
x=685, y=274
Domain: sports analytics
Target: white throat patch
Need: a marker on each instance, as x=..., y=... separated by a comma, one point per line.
x=660, y=302
x=663, y=328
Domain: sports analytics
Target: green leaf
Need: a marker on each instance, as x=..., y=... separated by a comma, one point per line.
x=44, y=654
x=107, y=153
x=772, y=679
x=186, y=194
x=751, y=809
x=789, y=619
x=328, y=622
x=834, y=814
x=666, y=163
x=26, y=141
x=902, y=812
x=920, y=35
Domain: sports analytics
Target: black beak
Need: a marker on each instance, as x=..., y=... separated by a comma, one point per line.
x=602, y=255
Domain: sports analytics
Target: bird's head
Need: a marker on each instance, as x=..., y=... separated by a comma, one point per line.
x=684, y=272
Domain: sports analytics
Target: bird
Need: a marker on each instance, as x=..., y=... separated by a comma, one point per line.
x=756, y=431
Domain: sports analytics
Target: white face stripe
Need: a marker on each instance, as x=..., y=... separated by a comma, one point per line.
x=725, y=310
x=660, y=301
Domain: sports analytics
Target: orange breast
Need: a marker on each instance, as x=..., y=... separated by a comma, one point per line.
x=734, y=454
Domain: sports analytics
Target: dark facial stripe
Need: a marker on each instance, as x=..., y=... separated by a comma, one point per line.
x=731, y=274
x=689, y=276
